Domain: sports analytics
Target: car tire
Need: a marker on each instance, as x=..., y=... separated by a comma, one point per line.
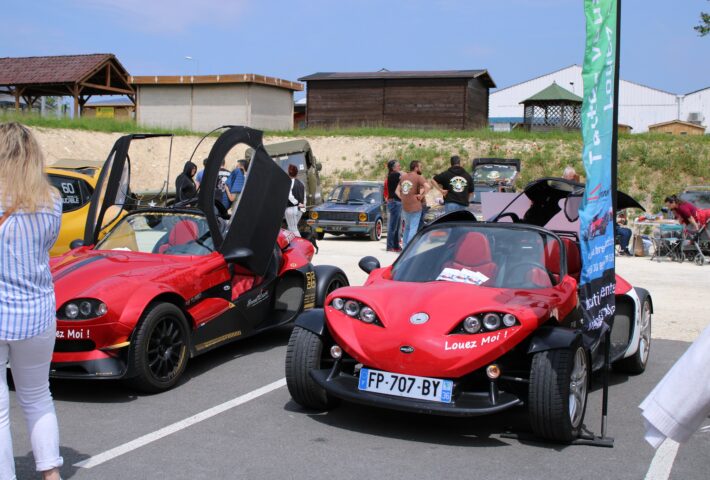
x=320, y=235
x=159, y=349
x=303, y=354
x=376, y=232
x=636, y=363
x=557, y=395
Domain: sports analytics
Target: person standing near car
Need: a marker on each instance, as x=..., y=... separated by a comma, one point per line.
x=456, y=185
x=235, y=183
x=411, y=190
x=30, y=216
x=185, y=188
x=295, y=205
x=394, y=206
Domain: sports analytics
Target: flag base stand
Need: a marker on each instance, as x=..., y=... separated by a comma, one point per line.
x=585, y=437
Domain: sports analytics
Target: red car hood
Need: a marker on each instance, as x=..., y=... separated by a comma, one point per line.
x=106, y=274
x=437, y=352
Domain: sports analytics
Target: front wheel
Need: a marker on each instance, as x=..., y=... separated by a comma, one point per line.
x=376, y=232
x=303, y=354
x=557, y=396
x=159, y=348
x=636, y=363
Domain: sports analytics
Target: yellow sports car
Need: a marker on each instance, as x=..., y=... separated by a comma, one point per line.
x=75, y=180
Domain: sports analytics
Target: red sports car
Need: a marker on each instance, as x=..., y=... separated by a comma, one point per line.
x=166, y=284
x=473, y=318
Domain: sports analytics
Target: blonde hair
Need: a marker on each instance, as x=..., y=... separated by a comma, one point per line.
x=23, y=183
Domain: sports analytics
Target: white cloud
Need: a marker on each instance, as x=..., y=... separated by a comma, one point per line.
x=166, y=16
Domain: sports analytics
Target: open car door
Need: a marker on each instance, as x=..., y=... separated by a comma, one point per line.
x=111, y=195
x=253, y=227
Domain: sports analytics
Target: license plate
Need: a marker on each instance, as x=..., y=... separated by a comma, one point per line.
x=421, y=388
x=319, y=229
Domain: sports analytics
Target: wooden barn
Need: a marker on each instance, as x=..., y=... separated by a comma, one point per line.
x=452, y=99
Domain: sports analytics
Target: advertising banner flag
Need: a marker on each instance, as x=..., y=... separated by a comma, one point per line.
x=599, y=118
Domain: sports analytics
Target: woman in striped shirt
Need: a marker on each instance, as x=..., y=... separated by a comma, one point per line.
x=30, y=214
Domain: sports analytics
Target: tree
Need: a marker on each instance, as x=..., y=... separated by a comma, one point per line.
x=703, y=28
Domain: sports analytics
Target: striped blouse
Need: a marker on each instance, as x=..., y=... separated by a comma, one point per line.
x=27, y=304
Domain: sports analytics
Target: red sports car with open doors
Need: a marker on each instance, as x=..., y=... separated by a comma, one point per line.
x=166, y=284
x=472, y=318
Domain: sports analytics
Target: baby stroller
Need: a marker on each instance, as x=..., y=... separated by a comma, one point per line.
x=667, y=242
x=696, y=245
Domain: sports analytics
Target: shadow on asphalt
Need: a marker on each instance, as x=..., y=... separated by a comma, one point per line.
x=25, y=466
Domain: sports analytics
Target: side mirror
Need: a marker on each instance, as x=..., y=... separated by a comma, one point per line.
x=368, y=264
x=238, y=255
x=319, y=166
x=76, y=243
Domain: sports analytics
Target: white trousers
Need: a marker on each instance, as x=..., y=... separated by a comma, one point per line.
x=29, y=360
x=293, y=215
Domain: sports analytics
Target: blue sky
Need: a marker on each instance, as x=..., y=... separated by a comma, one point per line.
x=513, y=39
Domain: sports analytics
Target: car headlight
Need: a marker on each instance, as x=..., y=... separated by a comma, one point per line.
x=82, y=309
x=355, y=309
x=314, y=215
x=485, y=322
x=362, y=217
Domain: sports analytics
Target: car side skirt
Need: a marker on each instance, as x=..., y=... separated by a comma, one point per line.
x=551, y=338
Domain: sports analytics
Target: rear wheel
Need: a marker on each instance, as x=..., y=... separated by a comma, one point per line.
x=303, y=354
x=159, y=348
x=699, y=260
x=557, y=396
x=376, y=232
x=636, y=363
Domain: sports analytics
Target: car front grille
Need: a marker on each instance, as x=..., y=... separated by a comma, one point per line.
x=339, y=216
x=65, y=346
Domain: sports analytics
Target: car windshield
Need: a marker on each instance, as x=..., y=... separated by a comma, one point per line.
x=485, y=255
x=356, y=194
x=494, y=173
x=478, y=189
x=157, y=232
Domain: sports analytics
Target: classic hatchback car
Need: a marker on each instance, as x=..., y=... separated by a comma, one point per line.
x=352, y=208
x=166, y=284
x=75, y=180
x=473, y=318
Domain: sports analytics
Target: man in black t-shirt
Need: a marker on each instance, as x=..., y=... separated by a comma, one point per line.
x=394, y=207
x=456, y=185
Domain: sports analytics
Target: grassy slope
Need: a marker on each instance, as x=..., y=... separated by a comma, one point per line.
x=650, y=166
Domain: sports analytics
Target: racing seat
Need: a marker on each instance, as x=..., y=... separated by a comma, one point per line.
x=184, y=231
x=574, y=260
x=474, y=253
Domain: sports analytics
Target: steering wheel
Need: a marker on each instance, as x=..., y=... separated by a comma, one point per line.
x=513, y=216
x=522, y=268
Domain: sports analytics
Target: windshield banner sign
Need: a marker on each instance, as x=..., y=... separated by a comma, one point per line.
x=596, y=225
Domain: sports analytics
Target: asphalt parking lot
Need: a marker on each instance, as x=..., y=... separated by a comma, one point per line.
x=232, y=417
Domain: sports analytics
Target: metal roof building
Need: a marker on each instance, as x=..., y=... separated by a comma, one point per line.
x=639, y=106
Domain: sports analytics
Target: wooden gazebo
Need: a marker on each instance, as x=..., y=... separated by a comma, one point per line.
x=554, y=108
x=78, y=76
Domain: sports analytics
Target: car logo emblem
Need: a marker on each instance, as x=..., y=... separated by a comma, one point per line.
x=418, y=318
x=406, y=349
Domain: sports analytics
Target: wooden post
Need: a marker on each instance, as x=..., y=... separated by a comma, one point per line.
x=17, y=101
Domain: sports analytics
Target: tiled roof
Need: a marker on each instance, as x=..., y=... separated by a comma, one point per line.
x=45, y=70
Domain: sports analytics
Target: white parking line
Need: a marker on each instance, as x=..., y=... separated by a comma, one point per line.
x=177, y=426
x=662, y=462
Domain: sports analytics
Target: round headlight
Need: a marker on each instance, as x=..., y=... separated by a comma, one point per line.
x=471, y=324
x=509, y=320
x=101, y=309
x=491, y=321
x=367, y=315
x=362, y=217
x=338, y=303
x=85, y=309
x=351, y=308
x=314, y=215
x=336, y=352
x=71, y=310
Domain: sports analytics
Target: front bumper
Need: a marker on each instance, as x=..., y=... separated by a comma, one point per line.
x=330, y=226
x=463, y=404
x=108, y=367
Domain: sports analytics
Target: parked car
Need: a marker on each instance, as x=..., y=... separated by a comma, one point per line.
x=167, y=284
x=473, y=318
x=697, y=195
x=300, y=154
x=352, y=208
x=489, y=175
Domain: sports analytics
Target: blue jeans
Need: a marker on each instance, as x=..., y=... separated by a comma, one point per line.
x=411, y=225
x=394, y=223
x=625, y=234
x=452, y=207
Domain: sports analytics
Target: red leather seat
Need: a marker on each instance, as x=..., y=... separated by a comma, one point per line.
x=183, y=232
x=474, y=253
x=574, y=260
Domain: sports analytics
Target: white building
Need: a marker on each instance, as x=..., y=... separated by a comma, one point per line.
x=639, y=105
x=202, y=103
